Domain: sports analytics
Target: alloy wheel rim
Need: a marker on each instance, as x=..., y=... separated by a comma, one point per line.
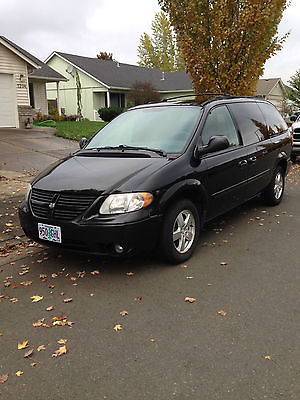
x=184, y=230
x=278, y=185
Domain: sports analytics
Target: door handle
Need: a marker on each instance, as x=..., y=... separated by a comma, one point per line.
x=252, y=160
x=243, y=163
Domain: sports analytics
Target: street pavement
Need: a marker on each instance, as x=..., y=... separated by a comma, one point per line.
x=239, y=340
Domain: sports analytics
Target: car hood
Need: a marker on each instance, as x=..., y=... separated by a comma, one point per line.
x=98, y=173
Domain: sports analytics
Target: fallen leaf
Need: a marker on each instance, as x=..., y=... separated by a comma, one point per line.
x=62, y=350
x=33, y=364
x=62, y=341
x=118, y=327
x=209, y=284
x=41, y=347
x=92, y=294
x=190, y=299
x=123, y=313
x=139, y=298
x=184, y=266
x=189, y=277
x=129, y=273
x=152, y=340
x=26, y=283
x=222, y=313
x=96, y=272
x=23, y=345
x=28, y=353
x=50, y=308
x=35, y=299
x=43, y=276
x=19, y=373
x=223, y=263
x=68, y=300
x=8, y=224
x=14, y=300
x=3, y=378
x=268, y=358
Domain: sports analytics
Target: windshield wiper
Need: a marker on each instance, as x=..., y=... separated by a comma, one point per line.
x=124, y=147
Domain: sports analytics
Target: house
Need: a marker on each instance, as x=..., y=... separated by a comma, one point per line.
x=273, y=90
x=108, y=83
x=23, y=80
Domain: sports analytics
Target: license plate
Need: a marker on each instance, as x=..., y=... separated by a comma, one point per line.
x=49, y=232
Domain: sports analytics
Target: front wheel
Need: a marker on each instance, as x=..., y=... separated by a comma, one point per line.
x=273, y=194
x=180, y=231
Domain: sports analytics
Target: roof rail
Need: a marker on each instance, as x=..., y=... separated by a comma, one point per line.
x=197, y=95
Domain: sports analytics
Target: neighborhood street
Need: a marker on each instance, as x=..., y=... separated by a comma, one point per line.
x=120, y=329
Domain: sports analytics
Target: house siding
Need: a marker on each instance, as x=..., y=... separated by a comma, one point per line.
x=276, y=97
x=68, y=90
x=40, y=96
x=12, y=64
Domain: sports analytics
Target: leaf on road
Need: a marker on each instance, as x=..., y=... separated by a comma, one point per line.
x=26, y=283
x=28, y=353
x=19, y=373
x=61, y=351
x=129, y=273
x=139, y=298
x=14, y=300
x=222, y=313
x=23, y=345
x=96, y=272
x=3, y=378
x=50, y=308
x=190, y=299
x=33, y=364
x=41, y=347
x=62, y=341
x=118, y=327
x=68, y=300
x=268, y=357
x=223, y=263
x=35, y=299
x=152, y=340
x=189, y=277
x=123, y=313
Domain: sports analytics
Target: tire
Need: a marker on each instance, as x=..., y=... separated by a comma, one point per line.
x=273, y=194
x=293, y=158
x=182, y=221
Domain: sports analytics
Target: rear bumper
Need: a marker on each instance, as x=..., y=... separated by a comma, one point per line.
x=96, y=238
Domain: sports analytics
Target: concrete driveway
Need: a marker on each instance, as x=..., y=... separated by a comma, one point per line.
x=238, y=341
x=31, y=149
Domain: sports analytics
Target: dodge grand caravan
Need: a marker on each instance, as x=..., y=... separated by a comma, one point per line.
x=155, y=174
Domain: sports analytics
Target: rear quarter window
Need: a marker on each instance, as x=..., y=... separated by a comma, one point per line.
x=274, y=120
x=251, y=122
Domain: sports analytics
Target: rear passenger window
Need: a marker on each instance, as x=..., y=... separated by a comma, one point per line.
x=275, y=122
x=251, y=122
x=219, y=122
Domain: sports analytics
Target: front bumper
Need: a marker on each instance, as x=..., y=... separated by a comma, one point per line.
x=96, y=238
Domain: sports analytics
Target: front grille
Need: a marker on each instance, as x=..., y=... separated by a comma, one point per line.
x=296, y=135
x=67, y=206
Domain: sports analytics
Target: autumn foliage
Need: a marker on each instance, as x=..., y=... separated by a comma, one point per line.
x=225, y=43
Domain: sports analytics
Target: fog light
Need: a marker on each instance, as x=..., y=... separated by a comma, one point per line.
x=119, y=248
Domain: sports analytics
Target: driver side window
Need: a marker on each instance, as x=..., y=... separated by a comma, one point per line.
x=219, y=122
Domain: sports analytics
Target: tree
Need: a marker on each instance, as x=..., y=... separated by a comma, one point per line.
x=294, y=92
x=103, y=55
x=225, y=43
x=142, y=93
x=160, y=51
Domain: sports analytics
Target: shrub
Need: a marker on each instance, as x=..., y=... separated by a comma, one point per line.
x=142, y=93
x=107, y=114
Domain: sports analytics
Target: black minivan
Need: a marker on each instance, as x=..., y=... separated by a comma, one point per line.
x=155, y=174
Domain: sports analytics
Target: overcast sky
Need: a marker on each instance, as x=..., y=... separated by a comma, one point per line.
x=86, y=27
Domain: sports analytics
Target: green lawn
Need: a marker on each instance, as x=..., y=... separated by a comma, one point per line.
x=76, y=130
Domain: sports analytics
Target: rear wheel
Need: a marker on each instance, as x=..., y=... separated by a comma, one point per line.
x=180, y=231
x=273, y=194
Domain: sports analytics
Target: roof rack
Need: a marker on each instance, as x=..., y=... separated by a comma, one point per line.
x=197, y=95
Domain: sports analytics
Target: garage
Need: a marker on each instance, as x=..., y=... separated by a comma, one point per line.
x=7, y=101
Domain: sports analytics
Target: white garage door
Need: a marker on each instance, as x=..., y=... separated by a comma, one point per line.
x=7, y=101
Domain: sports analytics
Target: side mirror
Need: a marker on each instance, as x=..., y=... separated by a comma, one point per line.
x=293, y=118
x=216, y=143
x=83, y=142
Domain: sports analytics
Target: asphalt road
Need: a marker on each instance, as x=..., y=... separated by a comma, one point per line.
x=167, y=348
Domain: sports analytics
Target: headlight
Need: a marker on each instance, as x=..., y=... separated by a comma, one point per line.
x=124, y=203
x=27, y=193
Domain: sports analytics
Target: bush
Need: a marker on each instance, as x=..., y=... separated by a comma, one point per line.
x=143, y=93
x=109, y=113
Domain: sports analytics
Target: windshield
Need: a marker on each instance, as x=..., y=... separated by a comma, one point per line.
x=167, y=128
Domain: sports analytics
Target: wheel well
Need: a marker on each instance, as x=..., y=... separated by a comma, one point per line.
x=193, y=196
